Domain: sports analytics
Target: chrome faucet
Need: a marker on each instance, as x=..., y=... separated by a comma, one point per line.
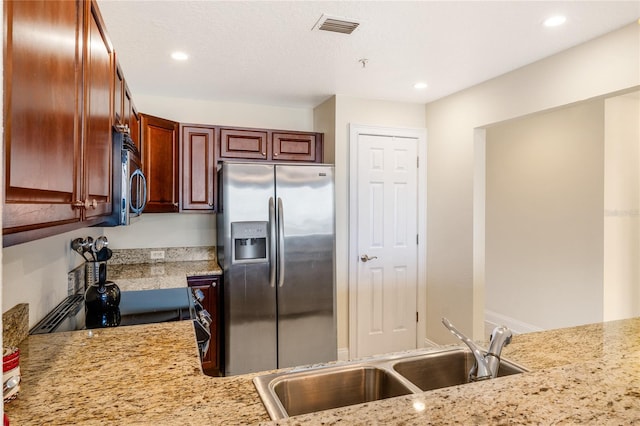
x=487, y=364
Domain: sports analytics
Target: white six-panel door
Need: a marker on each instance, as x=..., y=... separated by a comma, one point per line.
x=387, y=246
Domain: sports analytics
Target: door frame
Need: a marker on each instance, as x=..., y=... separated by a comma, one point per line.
x=421, y=302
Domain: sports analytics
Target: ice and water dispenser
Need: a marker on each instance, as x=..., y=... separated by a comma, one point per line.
x=249, y=242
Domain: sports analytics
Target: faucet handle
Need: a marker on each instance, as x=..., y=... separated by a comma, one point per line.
x=502, y=334
x=500, y=337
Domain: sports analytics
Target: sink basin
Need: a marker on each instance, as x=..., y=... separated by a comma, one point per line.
x=326, y=388
x=303, y=391
x=446, y=368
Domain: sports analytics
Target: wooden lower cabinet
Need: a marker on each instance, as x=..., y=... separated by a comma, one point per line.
x=210, y=287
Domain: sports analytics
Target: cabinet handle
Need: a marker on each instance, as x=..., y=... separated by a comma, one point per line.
x=264, y=154
x=210, y=204
x=275, y=154
x=213, y=284
x=84, y=204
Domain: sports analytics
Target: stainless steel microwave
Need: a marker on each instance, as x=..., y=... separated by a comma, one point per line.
x=129, y=182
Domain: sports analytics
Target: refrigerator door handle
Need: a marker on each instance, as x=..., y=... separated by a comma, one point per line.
x=272, y=243
x=280, y=242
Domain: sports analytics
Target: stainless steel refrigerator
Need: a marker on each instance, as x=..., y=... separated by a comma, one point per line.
x=275, y=230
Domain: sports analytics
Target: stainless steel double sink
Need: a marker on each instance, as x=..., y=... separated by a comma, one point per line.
x=303, y=391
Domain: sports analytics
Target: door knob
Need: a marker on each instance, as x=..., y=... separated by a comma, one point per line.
x=366, y=258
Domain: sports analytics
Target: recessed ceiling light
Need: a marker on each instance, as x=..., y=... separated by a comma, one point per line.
x=179, y=56
x=554, y=21
x=420, y=85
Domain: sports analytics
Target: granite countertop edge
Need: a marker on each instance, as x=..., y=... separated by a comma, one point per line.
x=577, y=375
x=146, y=276
x=587, y=374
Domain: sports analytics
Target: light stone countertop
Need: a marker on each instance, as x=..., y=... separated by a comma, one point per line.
x=580, y=375
x=137, y=375
x=147, y=276
x=150, y=375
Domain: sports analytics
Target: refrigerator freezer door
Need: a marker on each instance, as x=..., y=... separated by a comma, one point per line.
x=249, y=299
x=306, y=307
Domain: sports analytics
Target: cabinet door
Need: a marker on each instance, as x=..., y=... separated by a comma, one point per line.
x=210, y=287
x=198, y=168
x=97, y=144
x=160, y=163
x=126, y=109
x=118, y=91
x=42, y=134
x=294, y=146
x=245, y=143
x=134, y=126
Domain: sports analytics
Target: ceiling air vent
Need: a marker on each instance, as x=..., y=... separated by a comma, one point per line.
x=336, y=24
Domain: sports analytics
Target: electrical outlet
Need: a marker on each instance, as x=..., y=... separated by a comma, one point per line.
x=157, y=254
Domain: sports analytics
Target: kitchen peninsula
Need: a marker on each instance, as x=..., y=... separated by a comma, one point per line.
x=151, y=375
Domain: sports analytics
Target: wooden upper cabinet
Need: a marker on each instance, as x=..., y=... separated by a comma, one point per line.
x=122, y=101
x=97, y=115
x=269, y=145
x=118, y=95
x=135, y=127
x=294, y=146
x=42, y=134
x=58, y=111
x=160, y=163
x=198, y=168
x=127, y=105
x=244, y=143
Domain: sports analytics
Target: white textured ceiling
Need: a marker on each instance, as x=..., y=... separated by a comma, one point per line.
x=266, y=52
